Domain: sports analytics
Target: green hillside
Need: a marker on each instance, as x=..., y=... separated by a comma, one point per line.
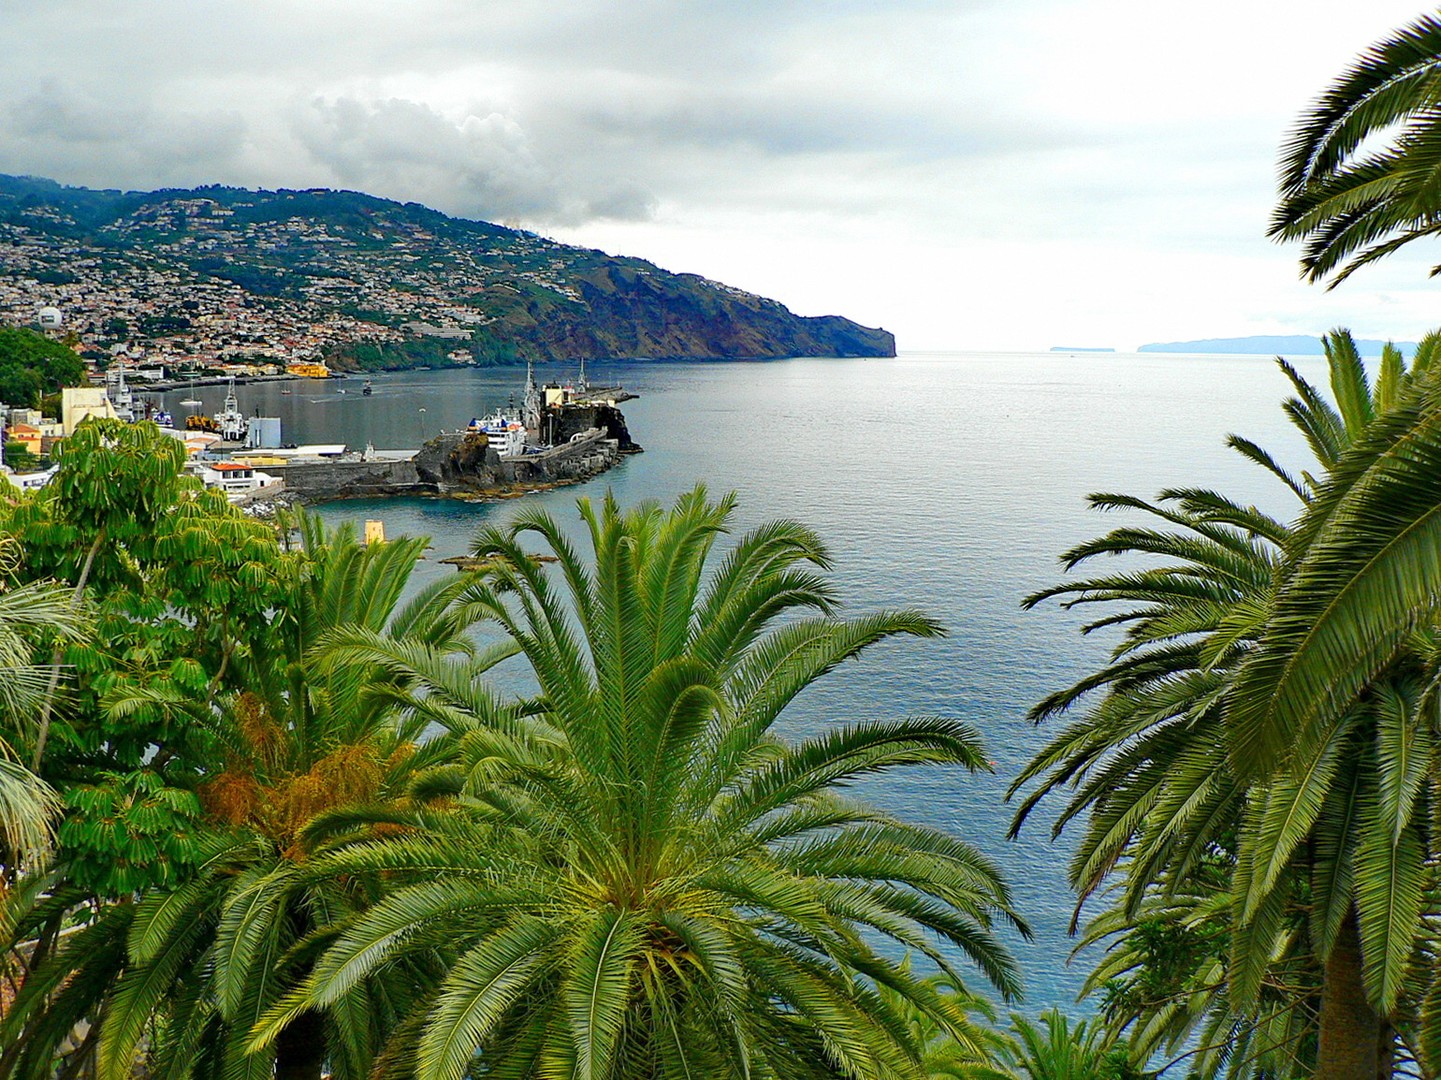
x=365, y=282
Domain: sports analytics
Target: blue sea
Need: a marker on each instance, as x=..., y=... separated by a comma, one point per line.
x=944, y=481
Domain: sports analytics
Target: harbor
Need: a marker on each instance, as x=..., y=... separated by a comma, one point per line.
x=264, y=445
x=459, y=464
x=549, y=434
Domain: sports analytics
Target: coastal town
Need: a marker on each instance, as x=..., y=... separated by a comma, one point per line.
x=135, y=298
x=222, y=286
x=215, y=276
x=563, y=431
x=196, y=282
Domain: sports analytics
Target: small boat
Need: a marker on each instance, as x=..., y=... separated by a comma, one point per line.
x=283, y=392
x=191, y=402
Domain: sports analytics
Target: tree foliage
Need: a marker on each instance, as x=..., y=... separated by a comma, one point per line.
x=1361, y=174
x=31, y=366
x=1199, y=759
x=639, y=878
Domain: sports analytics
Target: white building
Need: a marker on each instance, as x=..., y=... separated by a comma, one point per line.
x=235, y=479
x=30, y=481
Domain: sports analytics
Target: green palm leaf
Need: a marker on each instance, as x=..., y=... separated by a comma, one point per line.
x=477, y=993
x=630, y=873
x=599, y=988
x=1390, y=890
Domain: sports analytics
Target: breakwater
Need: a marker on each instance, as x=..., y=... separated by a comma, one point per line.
x=164, y=385
x=459, y=463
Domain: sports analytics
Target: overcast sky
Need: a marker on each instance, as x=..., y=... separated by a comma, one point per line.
x=973, y=174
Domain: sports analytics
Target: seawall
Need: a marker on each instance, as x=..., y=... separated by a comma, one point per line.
x=452, y=463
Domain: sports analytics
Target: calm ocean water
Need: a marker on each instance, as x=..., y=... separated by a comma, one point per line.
x=945, y=481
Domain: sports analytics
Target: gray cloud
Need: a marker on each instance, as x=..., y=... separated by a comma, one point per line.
x=479, y=166
x=114, y=141
x=976, y=149
x=556, y=114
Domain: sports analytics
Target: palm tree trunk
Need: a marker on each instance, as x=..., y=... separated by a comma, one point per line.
x=1350, y=1029
x=300, y=1048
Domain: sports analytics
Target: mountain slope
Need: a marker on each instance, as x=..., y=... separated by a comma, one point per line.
x=219, y=272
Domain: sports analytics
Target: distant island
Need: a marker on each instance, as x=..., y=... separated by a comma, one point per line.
x=1080, y=348
x=1270, y=345
x=223, y=274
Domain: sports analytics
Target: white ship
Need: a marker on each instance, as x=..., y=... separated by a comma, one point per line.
x=118, y=391
x=230, y=422
x=506, y=433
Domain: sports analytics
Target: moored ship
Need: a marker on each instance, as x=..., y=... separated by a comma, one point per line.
x=506, y=433
x=230, y=422
x=119, y=393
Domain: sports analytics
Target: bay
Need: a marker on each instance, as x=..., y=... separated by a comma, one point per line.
x=945, y=481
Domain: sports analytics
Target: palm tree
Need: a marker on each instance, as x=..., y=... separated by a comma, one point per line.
x=1353, y=641
x=1176, y=779
x=1144, y=764
x=27, y=804
x=184, y=974
x=639, y=877
x=1054, y=1050
x=943, y=1056
x=1361, y=175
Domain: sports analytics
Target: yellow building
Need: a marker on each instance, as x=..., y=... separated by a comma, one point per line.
x=307, y=369
x=79, y=402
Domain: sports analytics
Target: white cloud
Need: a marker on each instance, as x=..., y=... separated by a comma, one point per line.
x=964, y=172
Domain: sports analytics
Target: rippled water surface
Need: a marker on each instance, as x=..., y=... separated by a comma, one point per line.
x=945, y=481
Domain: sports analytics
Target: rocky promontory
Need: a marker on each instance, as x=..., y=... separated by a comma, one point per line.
x=456, y=463
x=464, y=463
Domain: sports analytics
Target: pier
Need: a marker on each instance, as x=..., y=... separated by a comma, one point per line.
x=453, y=463
x=160, y=386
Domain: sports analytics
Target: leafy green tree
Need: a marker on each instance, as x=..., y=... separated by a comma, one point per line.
x=172, y=580
x=32, y=365
x=1174, y=779
x=639, y=877
x=20, y=386
x=1359, y=174
x=18, y=456
x=193, y=963
x=177, y=576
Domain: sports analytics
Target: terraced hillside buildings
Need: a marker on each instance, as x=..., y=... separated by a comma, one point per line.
x=224, y=274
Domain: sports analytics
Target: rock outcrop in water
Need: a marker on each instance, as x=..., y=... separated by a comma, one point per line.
x=574, y=419
x=464, y=463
